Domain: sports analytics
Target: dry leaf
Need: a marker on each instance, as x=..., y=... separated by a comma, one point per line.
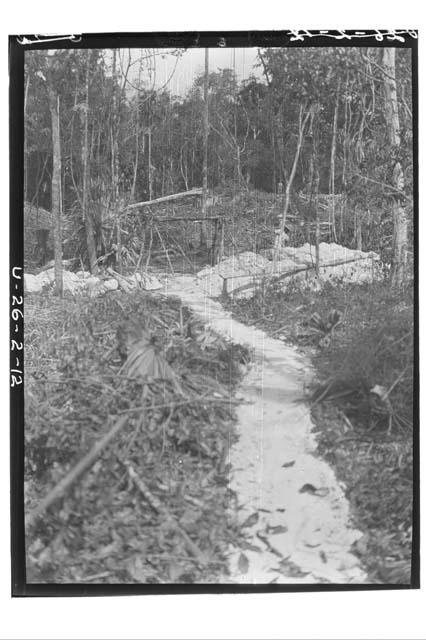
x=147, y=362
x=314, y=491
x=251, y=520
x=280, y=528
x=136, y=568
x=243, y=563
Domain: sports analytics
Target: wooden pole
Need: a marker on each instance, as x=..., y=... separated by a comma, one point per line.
x=332, y=165
x=222, y=241
x=281, y=231
x=316, y=179
x=174, y=196
x=85, y=463
x=114, y=158
x=399, y=215
x=205, y=145
x=148, y=257
x=87, y=214
x=56, y=187
x=27, y=85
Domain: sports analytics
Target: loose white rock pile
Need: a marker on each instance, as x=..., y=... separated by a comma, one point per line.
x=337, y=264
x=83, y=281
x=238, y=271
x=244, y=270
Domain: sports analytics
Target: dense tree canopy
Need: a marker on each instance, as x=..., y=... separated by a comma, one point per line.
x=144, y=142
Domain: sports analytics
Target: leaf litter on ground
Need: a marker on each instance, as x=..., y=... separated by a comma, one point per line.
x=175, y=383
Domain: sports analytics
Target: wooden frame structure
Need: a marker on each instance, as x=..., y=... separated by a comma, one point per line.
x=217, y=246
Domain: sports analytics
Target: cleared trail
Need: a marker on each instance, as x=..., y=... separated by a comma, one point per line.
x=300, y=516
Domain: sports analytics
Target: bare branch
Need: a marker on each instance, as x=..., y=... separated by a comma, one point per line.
x=82, y=466
x=174, y=196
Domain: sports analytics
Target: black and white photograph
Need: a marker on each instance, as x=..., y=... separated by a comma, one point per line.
x=215, y=348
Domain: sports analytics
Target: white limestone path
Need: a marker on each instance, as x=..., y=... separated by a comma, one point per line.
x=274, y=459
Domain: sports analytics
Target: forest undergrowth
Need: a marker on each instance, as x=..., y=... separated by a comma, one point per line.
x=154, y=507
x=366, y=437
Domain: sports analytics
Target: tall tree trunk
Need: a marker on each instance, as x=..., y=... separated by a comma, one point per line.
x=150, y=189
x=343, y=210
x=280, y=235
x=183, y=169
x=271, y=121
x=137, y=133
x=136, y=165
x=400, y=226
x=193, y=164
x=280, y=145
x=27, y=85
x=314, y=178
x=87, y=214
x=205, y=147
x=274, y=157
x=114, y=159
x=315, y=185
x=56, y=206
x=332, y=166
x=239, y=175
x=357, y=228
x=163, y=177
x=235, y=133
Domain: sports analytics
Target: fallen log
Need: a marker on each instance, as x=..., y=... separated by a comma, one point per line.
x=85, y=463
x=122, y=281
x=170, y=198
x=272, y=278
x=185, y=219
